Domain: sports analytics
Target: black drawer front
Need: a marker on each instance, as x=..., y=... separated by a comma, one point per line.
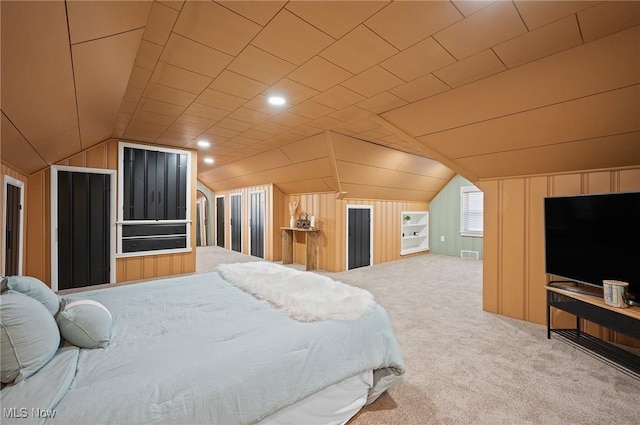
x=153, y=229
x=154, y=244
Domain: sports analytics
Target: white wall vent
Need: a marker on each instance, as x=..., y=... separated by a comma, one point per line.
x=471, y=255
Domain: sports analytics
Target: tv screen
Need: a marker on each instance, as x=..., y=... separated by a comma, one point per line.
x=590, y=238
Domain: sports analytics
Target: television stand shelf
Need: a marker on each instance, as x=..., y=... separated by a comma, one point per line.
x=592, y=308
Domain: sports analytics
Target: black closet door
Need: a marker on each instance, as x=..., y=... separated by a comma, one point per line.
x=135, y=187
x=170, y=200
x=12, y=231
x=161, y=186
x=155, y=185
x=236, y=223
x=256, y=224
x=180, y=184
x=220, y=222
x=84, y=242
x=359, y=238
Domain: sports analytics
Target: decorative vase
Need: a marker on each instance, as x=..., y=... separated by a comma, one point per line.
x=292, y=222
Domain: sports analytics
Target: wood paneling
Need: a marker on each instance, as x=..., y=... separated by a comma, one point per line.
x=492, y=246
x=568, y=76
x=514, y=279
x=38, y=223
x=513, y=213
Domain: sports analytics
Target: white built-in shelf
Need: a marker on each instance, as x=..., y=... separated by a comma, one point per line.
x=415, y=232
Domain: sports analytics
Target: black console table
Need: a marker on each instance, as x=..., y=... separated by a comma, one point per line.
x=592, y=308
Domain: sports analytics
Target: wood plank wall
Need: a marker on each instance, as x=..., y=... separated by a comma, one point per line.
x=513, y=273
x=103, y=155
x=7, y=170
x=330, y=215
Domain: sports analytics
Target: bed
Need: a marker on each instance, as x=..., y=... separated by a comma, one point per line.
x=197, y=349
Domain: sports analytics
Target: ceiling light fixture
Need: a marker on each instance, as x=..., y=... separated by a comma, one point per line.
x=277, y=100
x=203, y=143
x=208, y=160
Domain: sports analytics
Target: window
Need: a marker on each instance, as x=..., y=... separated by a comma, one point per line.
x=153, y=200
x=471, y=211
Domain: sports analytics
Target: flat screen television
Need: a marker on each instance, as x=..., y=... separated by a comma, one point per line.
x=590, y=238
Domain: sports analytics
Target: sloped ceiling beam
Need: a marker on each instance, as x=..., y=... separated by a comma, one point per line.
x=332, y=156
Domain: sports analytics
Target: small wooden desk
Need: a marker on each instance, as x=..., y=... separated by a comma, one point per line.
x=310, y=240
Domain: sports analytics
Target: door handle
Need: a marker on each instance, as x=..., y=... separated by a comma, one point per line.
x=152, y=194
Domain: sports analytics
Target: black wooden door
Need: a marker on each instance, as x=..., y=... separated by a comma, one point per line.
x=220, y=222
x=359, y=238
x=256, y=224
x=12, y=230
x=236, y=223
x=198, y=226
x=84, y=242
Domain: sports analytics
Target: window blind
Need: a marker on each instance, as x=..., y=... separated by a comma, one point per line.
x=472, y=211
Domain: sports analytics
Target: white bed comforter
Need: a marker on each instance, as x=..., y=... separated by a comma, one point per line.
x=196, y=349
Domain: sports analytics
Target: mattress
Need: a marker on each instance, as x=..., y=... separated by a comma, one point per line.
x=334, y=405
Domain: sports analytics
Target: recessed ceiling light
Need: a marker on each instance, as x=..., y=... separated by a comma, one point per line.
x=208, y=160
x=277, y=100
x=203, y=143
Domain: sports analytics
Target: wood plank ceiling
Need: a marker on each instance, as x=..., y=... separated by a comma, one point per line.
x=385, y=100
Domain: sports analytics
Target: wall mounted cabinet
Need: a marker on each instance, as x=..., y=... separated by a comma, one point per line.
x=414, y=232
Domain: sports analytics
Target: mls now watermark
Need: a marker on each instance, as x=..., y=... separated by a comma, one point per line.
x=23, y=412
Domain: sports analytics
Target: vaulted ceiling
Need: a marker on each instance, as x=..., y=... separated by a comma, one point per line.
x=384, y=99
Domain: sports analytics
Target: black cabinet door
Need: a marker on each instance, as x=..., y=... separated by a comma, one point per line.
x=151, y=184
x=135, y=184
x=155, y=185
x=220, y=222
x=172, y=179
x=180, y=185
x=359, y=238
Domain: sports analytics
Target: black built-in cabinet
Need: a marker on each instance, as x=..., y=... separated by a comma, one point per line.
x=155, y=188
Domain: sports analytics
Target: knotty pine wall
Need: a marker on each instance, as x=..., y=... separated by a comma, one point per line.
x=331, y=214
x=38, y=245
x=6, y=170
x=513, y=272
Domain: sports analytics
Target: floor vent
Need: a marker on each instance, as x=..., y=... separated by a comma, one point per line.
x=471, y=255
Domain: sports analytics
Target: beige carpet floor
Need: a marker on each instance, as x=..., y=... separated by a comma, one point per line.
x=467, y=366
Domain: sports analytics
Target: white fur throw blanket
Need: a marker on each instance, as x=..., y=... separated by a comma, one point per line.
x=305, y=296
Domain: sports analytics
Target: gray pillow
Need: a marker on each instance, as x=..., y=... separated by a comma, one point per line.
x=29, y=336
x=35, y=289
x=84, y=323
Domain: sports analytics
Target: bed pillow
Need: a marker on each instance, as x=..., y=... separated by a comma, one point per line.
x=29, y=336
x=35, y=289
x=84, y=323
x=3, y=284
